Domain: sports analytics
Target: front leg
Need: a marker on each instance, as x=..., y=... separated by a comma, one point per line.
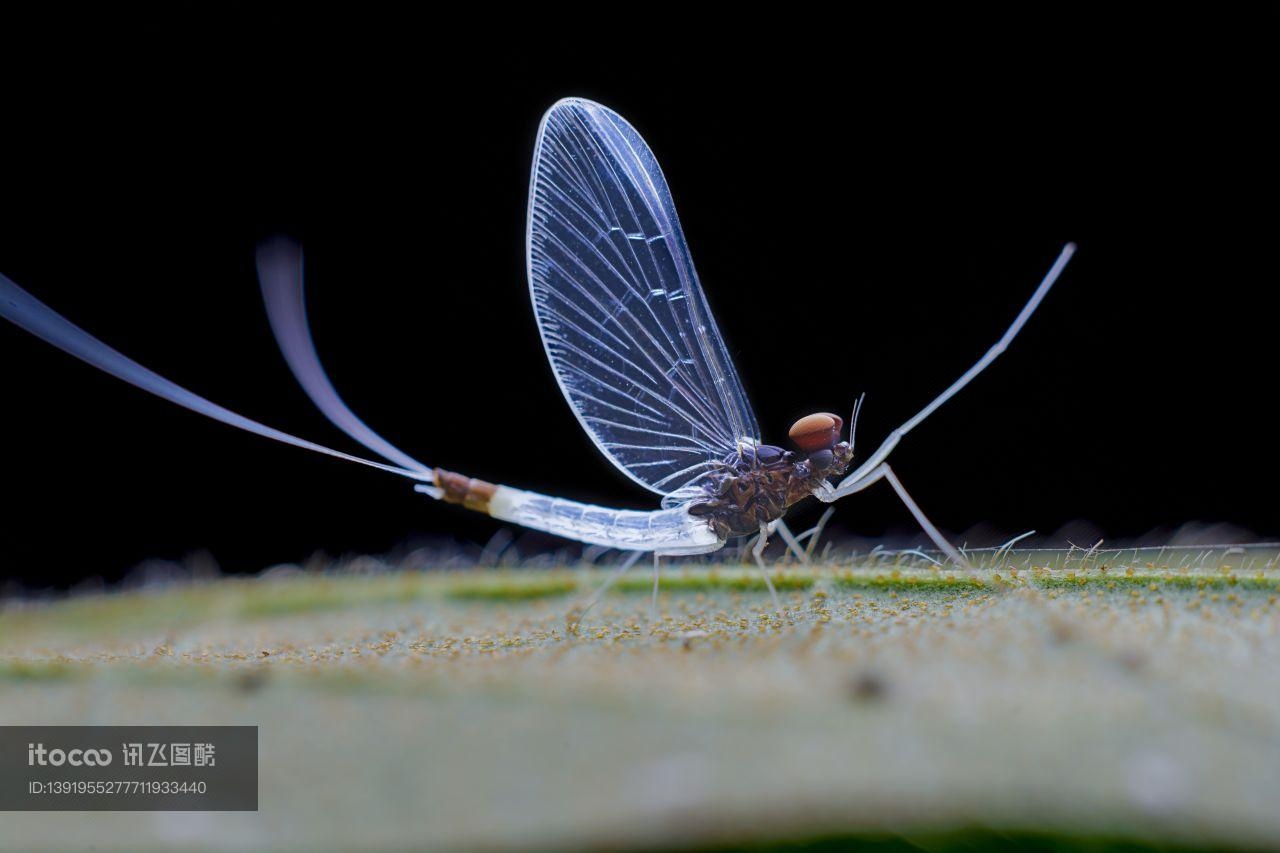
x=827, y=494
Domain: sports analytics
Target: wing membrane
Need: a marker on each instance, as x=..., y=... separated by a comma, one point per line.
x=622, y=316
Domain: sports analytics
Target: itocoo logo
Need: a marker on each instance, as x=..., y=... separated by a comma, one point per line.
x=38, y=755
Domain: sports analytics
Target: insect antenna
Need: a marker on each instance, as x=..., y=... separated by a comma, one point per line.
x=853, y=420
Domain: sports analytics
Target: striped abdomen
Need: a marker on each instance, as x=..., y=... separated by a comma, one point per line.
x=668, y=531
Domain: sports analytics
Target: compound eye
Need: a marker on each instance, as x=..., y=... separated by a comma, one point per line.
x=822, y=460
x=816, y=432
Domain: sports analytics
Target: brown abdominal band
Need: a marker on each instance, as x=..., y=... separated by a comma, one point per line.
x=461, y=489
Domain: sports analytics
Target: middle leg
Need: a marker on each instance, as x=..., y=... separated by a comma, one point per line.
x=758, y=552
x=792, y=542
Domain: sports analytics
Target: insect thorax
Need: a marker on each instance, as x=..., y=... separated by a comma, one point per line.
x=758, y=483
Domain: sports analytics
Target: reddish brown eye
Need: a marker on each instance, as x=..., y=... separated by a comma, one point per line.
x=816, y=432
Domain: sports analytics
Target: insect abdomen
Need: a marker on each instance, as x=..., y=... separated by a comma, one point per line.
x=669, y=531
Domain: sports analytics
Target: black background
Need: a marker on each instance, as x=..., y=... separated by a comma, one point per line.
x=867, y=208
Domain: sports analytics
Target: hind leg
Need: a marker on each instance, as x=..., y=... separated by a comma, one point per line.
x=653, y=605
x=613, y=578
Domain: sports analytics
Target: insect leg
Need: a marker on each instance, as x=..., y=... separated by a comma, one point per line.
x=613, y=578
x=792, y=542
x=884, y=472
x=653, y=605
x=758, y=552
x=1001, y=345
x=813, y=534
x=922, y=520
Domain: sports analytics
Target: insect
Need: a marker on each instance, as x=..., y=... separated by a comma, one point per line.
x=635, y=350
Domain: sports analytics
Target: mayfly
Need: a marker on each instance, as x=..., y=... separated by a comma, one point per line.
x=635, y=350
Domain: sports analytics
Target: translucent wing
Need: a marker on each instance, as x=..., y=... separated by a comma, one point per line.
x=622, y=316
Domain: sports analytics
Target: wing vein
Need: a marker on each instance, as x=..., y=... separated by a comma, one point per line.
x=622, y=315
